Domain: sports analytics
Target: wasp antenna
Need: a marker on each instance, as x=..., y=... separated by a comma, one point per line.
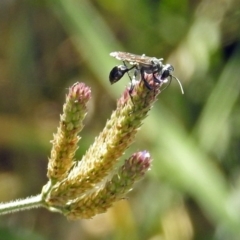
x=181, y=87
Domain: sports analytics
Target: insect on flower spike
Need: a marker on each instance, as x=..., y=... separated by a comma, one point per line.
x=142, y=64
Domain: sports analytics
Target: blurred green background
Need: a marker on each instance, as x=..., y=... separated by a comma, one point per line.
x=193, y=188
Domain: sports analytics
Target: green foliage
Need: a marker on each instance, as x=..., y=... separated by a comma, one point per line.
x=193, y=187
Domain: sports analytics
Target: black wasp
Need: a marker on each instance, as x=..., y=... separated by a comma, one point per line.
x=142, y=64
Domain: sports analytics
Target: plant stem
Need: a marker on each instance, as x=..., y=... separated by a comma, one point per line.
x=21, y=204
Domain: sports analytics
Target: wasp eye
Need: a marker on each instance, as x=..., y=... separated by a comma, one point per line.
x=165, y=74
x=117, y=73
x=166, y=71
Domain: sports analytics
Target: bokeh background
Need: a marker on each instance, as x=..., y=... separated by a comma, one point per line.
x=193, y=188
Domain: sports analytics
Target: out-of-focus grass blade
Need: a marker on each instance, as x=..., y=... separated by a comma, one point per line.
x=91, y=35
x=219, y=105
x=180, y=160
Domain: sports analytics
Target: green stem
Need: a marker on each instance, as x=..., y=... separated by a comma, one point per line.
x=21, y=204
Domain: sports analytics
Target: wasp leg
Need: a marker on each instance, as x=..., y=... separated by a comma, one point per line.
x=128, y=69
x=144, y=80
x=133, y=82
